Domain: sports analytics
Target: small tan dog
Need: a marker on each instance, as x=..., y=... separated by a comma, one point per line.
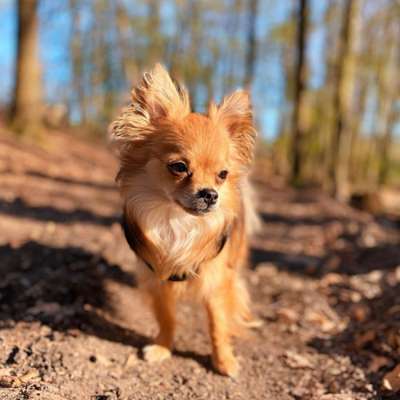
x=183, y=180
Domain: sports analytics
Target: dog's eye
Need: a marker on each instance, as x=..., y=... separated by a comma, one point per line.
x=178, y=167
x=223, y=174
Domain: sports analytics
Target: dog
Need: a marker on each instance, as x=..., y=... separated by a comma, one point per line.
x=187, y=207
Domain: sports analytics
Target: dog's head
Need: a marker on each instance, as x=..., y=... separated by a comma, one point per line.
x=191, y=159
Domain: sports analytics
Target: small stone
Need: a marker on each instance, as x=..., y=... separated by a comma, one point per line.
x=131, y=361
x=103, y=360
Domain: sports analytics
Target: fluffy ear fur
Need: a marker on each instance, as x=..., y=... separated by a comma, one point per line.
x=156, y=97
x=235, y=113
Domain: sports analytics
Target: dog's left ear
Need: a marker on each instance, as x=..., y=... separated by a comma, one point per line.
x=235, y=113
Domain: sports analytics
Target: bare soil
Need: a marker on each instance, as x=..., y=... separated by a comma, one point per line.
x=325, y=279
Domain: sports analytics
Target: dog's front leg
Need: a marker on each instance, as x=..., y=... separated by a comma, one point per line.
x=220, y=331
x=163, y=301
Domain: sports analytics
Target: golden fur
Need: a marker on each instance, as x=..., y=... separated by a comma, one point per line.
x=166, y=223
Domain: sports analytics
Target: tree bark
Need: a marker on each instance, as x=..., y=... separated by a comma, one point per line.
x=299, y=124
x=251, y=44
x=27, y=107
x=344, y=82
x=389, y=89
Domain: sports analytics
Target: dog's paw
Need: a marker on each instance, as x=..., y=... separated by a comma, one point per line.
x=227, y=365
x=156, y=353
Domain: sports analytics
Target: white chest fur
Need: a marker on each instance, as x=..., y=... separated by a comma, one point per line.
x=177, y=233
x=174, y=232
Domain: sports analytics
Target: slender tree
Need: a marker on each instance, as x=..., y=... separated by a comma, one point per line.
x=251, y=53
x=299, y=125
x=344, y=82
x=27, y=107
x=78, y=40
x=389, y=89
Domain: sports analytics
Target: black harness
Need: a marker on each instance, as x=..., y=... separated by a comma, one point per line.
x=172, y=278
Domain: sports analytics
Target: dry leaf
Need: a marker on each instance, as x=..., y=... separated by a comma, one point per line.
x=321, y=320
x=29, y=375
x=363, y=339
x=391, y=381
x=287, y=315
x=6, y=381
x=331, y=279
x=377, y=363
x=297, y=361
x=359, y=312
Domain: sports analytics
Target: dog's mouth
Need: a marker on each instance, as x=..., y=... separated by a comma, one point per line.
x=194, y=210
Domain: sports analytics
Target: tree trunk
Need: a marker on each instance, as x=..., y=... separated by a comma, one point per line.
x=77, y=44
x=384, y=165
x=341, y=141
x=251, y=43
x=389, y=89
x=299, y=124
x=27, y=107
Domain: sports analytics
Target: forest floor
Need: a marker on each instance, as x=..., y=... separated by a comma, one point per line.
x=325, y=279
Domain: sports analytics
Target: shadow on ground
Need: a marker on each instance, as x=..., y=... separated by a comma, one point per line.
x=61, y=287
x=64, y=288
x=18, y=208
x=62, y=179
x=354, y=256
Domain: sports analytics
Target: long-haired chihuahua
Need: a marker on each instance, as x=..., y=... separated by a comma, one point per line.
x=187, y=210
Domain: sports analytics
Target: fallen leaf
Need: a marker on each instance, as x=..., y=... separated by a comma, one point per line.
x=331, y=279
x=29, y=375
x=362, y=339
x=391, y=381
x=287, y=315
x=297, y=361
x=6, y=381
x=377, y=363
x=320, y=320
x=359, y=312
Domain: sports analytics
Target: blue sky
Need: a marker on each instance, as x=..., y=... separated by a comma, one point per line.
x=268, y=92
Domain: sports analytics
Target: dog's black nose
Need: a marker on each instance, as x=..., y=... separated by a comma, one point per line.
x=210, y=196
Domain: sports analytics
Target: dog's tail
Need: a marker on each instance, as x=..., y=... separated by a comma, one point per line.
x=250, y=201
x=241, y=317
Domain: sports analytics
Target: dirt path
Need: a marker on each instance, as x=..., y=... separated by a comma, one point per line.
x=72, y=324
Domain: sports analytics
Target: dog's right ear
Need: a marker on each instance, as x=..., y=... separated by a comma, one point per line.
x=156, y=97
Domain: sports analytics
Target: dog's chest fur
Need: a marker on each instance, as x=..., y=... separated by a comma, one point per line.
x=183, y=241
